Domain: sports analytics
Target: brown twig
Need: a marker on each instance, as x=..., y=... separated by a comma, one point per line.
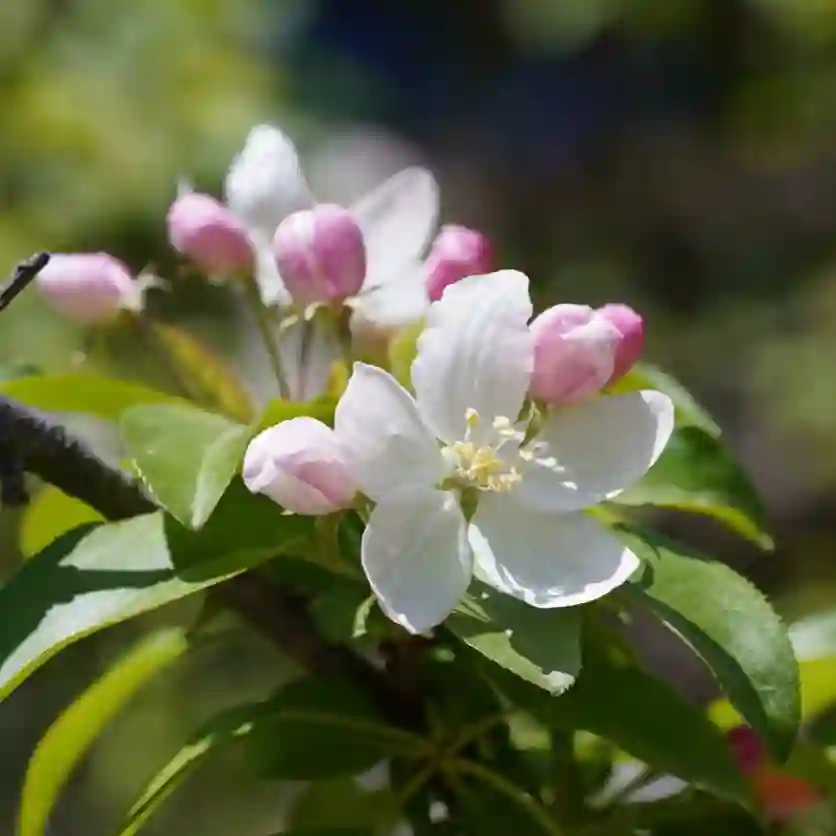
x=22, y=276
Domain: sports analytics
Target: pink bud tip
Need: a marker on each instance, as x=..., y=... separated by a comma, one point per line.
x=456, y=253
x=747, y=749
x=574, y=353
x=631, y=326
x=320, y=254
x=206, y=231
x=89, y=288
x=300, y=465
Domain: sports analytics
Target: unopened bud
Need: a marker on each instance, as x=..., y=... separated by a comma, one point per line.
x=631, y=326
x=300, y=465
x=203, y=229
x=456, y=253
x=90, y=288
x=574, y=353
x=320, y=254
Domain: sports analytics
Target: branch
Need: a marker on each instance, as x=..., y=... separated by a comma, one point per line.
x=23, y=275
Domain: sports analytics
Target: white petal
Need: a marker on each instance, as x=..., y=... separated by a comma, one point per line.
x=597, y=449
x=475, y=353
x=547, y=560
x=265, y=181
x=270, y=285
x=398, y=220
x=416, y=556
x=386, y=442
x=395, y=304
x=308, y=352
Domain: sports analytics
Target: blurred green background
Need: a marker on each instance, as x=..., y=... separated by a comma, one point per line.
x=677, y=155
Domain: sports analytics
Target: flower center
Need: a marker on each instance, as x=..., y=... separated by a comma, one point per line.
x=479, y=465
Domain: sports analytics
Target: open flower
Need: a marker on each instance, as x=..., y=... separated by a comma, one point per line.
x=459, y=442
x=265, y=185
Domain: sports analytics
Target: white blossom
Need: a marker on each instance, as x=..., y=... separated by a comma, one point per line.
x=460, y=437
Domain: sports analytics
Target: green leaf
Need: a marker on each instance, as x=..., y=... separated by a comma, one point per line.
x=312, y=728
x=688, y=411
x=732, y=627
x=68, y=739
x=320, y=728
x=186, y=457
x=205, y=376
x=217, y=735
x=86, y=393
x=641, y=715
x=327, y=831
x=541, y=646
x=343, y=611
x=698, y=473
x=93, y=577
x=342, y=802
x=49, y=515
x=491, y=804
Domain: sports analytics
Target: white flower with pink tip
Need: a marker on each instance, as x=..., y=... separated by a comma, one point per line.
x=460, y=438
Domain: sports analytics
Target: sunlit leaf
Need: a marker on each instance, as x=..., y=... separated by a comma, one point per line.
x=96, y=576
x=698, y=473
x=732, y=627
x=186, y=457
x=50, y=514
x=68, y=739
x=101, y=397
x=206, y=377
x=541, y=646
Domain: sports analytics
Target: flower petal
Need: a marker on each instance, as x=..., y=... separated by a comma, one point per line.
x=416, y=557
x=265, y=181
x=547, y=560
x=398, y=219
x=271, y=288
x=395, y=304
x=475, y=353
x=596, y=449
x=387, y=445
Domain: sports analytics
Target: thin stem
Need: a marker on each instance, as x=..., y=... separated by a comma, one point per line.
x=505, y=787
x=262, y=319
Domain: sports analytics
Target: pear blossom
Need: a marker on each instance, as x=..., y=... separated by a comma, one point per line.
x=91, y=288
x=265, y=184
x=459, y=443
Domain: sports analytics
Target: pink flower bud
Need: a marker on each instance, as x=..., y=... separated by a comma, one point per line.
x=300, y=465
x=320, y=254
x=456, y=253
x=631, y=326
x=89, y=288
x=206, y=231
x=574, y=353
